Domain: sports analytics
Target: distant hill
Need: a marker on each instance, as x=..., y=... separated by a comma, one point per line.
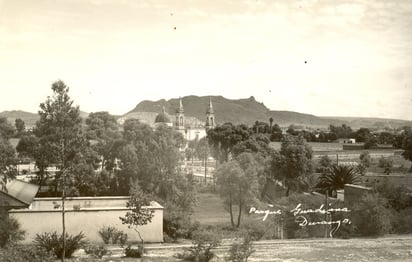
x=248, y=111
x=29, y=118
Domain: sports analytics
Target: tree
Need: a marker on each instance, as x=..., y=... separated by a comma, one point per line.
x=336, y=179
x=292, y=163
x=202, y=148
x=60, y=134
x=237, y=184
x=103, y=128
x=7, y=163
x=386, y=163
x=270, y=124
x=20, y=126
x=139, y=213
x=386, y=138
x=365, y=158
x=223, y=138
x=343, y=131
x=325, y=163
x=362, y=135
x=151, y=157
x=406, y=138
x=371, y=141
x=276, y=133
x=256, y=143
x=6, y=130
x=29, y=146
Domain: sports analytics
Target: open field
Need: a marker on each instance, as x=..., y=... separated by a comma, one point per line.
x=208, y=204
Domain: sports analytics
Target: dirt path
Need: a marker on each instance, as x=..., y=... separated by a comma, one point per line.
x=381, y=249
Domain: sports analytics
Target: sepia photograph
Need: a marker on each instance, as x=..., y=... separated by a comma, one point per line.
x=205, y=130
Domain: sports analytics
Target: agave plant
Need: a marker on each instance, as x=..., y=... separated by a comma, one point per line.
x=337, y=177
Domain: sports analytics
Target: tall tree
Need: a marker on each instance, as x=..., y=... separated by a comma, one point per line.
x=292, y=163
x=59, y=132
x=270, y=124
x=103, y=128
x=238, y=184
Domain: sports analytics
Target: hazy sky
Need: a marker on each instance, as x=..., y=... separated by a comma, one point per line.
x=116, y=53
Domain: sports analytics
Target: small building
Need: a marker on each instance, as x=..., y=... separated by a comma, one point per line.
x=17, y=194
x=87, y=215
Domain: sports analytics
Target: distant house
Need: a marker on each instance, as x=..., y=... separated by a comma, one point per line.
x=346, y=140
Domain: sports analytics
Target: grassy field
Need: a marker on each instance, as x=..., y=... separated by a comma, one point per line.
x=210, y=210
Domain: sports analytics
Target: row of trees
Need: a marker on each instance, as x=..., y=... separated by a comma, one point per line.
x=247, y=162
x=97, y=157
x=371, y=139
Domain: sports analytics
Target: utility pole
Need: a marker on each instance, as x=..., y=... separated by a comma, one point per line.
x=206, y=161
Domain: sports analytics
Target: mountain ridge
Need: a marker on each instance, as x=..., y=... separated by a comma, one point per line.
x=248, y=110
x=236, y=111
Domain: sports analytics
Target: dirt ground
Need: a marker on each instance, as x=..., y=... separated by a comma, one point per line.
x=395, y=248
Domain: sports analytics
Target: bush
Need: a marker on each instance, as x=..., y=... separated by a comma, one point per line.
x=255, y=231
x=10, y=232
x=177, y=224
x=403, y=224
x=108, y=233
x=386, y=163
x=240, y=252
x=203, y=243
x=96, y=251
x=291, y=227
x=52, y=242
x=371, y=217
x=134, y=252
x=20, y=253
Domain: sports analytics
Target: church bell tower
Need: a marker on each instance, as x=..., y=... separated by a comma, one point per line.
x=180, y=116
x=210, y=116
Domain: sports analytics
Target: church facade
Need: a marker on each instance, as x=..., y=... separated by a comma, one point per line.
x=190, y=131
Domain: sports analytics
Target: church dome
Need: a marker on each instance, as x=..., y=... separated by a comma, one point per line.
x=162, y=117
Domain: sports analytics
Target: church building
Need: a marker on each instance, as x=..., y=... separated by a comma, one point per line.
x=190, y=131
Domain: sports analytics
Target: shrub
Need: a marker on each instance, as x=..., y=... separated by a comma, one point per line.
x=96, y=251
x=20, y=253
x=134, y=252
x=403, y=224
x=10, y=232
x=177, y=224
x=386, y=163
x=365, y=159
x=240, y=252
x=255, y=231
x=52, y=242
x=118, y=236
x=122, y=239
x=371, y=217
x=106, y=233
x=203, y=243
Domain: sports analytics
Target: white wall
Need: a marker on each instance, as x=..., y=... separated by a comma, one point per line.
x=87, y=220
